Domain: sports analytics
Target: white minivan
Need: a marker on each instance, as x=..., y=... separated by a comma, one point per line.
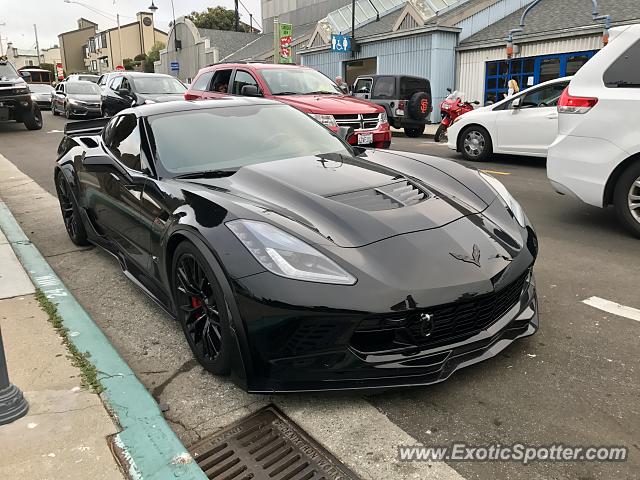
x=596, y=156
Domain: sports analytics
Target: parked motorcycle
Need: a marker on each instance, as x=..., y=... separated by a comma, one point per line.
x=451, y=108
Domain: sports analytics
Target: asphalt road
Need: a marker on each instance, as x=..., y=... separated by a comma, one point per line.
x=574, y=383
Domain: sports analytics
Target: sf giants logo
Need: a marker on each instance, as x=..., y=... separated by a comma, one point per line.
x=424, y=105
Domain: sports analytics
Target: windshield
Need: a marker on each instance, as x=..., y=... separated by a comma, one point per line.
x=233, y=137
x=158, y=85
x=298, y=81
x=84, y=88
x=456, y=95
x=38, y=88
x=7, y=72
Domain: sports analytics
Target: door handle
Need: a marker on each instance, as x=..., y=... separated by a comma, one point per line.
x=552, y=116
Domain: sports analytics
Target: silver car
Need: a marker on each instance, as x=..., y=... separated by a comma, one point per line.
x=79, y=98
x=41, y=93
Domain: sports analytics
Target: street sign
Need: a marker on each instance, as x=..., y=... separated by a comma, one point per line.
x=59, y=71
x=285, y=52
x=175, y=66
x=119, y=68
x=340, y=43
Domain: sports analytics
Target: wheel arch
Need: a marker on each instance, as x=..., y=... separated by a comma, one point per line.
x=465, y=128
x=241, y=365
x=610, y=186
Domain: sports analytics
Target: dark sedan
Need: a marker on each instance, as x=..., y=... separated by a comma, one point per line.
x=76, y=99
x=135, y=88
x=41, y=93
x=292, y=260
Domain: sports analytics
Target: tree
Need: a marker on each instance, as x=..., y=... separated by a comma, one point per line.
x=153, y=56
x=128, y=64
x=218, y=18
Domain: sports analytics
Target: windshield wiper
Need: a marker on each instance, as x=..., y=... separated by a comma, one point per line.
x=287, y=93
x=322, y=92
x=208, y=174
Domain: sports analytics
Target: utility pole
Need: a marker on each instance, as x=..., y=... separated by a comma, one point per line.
x=237, y=14
x=1, y=47
x=251, y=22
x=119, y=38
x=35, y=30
x=353, y=26
x=276, y=39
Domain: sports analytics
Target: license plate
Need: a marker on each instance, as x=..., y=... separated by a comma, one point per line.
x=365, y=139
x=4, y=114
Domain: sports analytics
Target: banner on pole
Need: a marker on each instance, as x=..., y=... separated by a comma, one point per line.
x=285, y=54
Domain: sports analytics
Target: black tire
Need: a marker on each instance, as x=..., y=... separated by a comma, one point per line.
x=54, y=111
x=201, y=309
x=414, y=132
x=626, y=195
x=418, y=106
x=70, y=212
x=479, y=147
x=67, y=113
x=33, y=119
x=440, y=133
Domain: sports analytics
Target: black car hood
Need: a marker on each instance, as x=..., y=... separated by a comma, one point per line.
x=353, y=201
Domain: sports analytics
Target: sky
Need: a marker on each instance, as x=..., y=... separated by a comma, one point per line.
x=55, y=16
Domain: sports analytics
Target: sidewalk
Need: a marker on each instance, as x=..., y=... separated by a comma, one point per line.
x=64, y=434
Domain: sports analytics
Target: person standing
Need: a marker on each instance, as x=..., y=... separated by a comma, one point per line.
x=342, y=84
x=513, y=88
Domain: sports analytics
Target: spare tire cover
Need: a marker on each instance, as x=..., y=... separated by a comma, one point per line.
x=418, y=106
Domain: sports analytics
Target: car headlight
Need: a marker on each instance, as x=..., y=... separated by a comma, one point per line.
x=21, y=90
x=382, y=118
x=446, y=106
x=72, y=101
x=511, y=203
x=287, y=256
x=327, y=120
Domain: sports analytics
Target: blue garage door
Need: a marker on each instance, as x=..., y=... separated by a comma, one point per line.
x=530, y=71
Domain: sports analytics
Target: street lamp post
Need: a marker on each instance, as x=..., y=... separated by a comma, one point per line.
x=1, y=47
x=12, y=403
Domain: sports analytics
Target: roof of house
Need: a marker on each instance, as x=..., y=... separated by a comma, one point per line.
x=554, y=16
x=227, y=41
x=262, y=46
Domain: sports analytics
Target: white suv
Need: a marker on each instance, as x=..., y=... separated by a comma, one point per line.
x=596, y=156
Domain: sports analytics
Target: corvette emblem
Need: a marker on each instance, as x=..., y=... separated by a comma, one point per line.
x=474, y=258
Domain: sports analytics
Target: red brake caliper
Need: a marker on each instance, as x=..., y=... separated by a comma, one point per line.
x=196, y=302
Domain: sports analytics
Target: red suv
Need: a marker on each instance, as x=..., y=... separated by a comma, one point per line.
x=301, y=87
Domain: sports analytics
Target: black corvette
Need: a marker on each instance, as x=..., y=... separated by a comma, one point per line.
x=292, y=261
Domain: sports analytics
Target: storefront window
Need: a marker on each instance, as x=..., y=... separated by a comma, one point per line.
x=530, y=71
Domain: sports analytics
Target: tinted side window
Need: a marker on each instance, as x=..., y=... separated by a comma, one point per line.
x=625, y=71
x=241, y=79
x=384, y=87
x=202, y=83
x=221, y=81
x=125, y=84
x=122, y=137
x=409, y=86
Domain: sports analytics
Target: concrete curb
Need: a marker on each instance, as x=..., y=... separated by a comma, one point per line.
x=147, y=444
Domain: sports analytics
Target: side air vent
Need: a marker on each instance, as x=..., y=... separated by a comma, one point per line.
x=387, y=197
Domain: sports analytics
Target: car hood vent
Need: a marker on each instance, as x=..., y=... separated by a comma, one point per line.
x=387, y=197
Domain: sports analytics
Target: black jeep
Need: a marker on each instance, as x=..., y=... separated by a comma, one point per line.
x=15, y=98
x=406, y=99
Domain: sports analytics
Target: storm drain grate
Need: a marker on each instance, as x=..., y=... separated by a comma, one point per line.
x=267, y=445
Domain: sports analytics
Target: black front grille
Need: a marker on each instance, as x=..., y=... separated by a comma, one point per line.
x=451, y=323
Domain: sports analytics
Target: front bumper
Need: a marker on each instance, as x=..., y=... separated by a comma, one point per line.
x=14, y=106
x=312, y=350
x=85, y=110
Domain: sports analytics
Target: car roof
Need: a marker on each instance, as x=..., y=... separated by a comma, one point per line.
x=161, y=108
x=255, y=65
x=85, y=82
x=144, y=74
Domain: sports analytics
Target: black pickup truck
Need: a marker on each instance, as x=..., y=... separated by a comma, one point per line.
x=15, y=98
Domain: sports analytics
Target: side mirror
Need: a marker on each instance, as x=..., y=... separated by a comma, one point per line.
x=517, y=103
x=449, y=90
x=345, y=133
x=25, y=75
x=250, y=91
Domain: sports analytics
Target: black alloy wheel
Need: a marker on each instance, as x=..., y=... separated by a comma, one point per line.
x=70, y=213
x=201, y=309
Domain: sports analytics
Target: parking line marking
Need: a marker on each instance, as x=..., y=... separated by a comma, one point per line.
x=614, y=308
x=494, y=172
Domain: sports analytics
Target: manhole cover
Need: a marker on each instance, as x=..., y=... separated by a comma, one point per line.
x=267, y=445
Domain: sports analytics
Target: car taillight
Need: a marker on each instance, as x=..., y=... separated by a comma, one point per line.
x=191, y=96
x=571, y=104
